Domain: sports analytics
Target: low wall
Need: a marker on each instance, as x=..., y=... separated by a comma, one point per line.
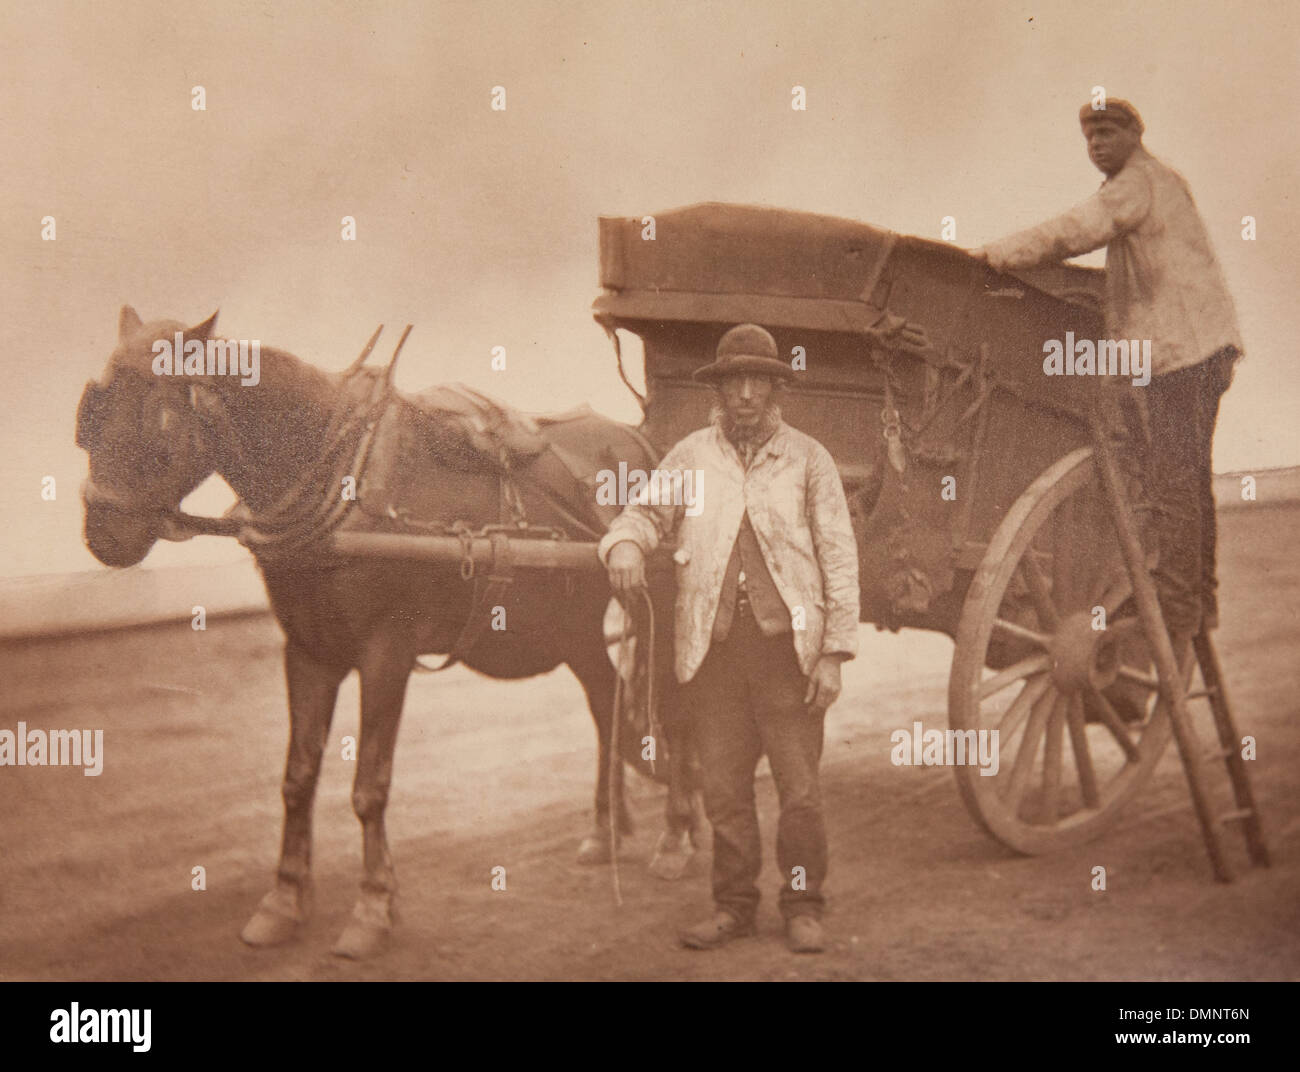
x=113, y=599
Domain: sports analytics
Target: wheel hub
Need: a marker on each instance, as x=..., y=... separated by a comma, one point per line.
x=1083, y=657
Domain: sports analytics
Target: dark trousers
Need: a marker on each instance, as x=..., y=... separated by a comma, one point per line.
x=745, y=700
x=1183, y=407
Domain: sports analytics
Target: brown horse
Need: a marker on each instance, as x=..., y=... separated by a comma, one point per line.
x=288, y=446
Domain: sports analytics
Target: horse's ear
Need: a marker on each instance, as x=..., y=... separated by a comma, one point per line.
x=202, y=331
x=127, y=321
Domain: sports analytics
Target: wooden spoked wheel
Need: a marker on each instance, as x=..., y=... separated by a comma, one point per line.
x=1075, y=706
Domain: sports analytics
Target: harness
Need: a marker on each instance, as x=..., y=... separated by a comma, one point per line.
x=306, y=513
x=312, y=508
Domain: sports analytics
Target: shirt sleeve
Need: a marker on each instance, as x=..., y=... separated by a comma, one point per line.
x=1120, y=205
x=645, y=523
x=837, y=553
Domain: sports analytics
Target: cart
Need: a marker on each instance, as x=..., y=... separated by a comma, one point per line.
x=991, y=502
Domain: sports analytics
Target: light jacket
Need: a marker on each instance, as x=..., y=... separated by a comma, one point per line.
x=797, y=507
x=1163, y=281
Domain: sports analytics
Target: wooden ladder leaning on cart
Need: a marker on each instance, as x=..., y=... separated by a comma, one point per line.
x=1173, y=684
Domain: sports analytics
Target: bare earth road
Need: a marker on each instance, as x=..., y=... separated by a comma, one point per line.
x=95, y=872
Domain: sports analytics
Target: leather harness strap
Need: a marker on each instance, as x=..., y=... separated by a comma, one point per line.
x=481, y=608
x=283, y=529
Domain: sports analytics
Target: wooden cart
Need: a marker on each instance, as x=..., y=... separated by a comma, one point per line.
x=991, y=502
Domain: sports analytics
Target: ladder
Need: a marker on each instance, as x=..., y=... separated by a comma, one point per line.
x=1175, y=672
x=1228, y=752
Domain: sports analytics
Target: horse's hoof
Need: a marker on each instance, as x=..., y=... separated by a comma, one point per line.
x=361, y=941
x=368, y=930
x=672, y=856
x=595, y=847
x=268, y=929
x=594, y=850
x=278, y=919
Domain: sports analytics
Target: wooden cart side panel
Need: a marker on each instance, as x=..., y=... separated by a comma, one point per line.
x=837, y=398
x=918, y=523
x=1032, y=419
x=716, y=248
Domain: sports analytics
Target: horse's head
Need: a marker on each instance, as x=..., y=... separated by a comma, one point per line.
x=145, y=441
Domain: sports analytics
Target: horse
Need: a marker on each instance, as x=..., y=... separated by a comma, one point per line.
x=292, y=446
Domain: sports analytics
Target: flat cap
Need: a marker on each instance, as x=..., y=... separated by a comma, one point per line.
x=1114, y=110
x=745, y=348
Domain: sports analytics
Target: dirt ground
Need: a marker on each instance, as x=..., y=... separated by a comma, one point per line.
x=95, y=873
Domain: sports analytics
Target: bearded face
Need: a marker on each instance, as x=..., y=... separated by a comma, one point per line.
x=746, y=409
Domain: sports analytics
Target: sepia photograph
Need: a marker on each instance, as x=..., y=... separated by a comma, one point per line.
x=650, y=492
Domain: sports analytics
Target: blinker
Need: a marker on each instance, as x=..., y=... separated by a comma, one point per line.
x=89, y=410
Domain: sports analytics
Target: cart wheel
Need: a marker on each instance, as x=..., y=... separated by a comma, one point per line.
x=1060, y=684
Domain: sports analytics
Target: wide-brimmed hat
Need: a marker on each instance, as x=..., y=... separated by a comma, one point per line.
x=746, y=348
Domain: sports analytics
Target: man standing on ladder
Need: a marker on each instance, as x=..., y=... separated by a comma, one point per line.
x=1163, y=283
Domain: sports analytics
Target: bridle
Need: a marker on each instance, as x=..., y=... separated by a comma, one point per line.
x=301, y=516
x=173, y=524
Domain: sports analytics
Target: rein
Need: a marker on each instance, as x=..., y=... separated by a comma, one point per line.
x=302, y=516
x=620, y=705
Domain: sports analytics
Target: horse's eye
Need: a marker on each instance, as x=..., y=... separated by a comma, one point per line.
x=157, y=456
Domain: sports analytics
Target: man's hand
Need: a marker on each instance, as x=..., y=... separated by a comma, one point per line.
x=626, y=565
x=824, y=682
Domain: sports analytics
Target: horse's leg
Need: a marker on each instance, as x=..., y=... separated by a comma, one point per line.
x=677, y=844
x=313, y=688
x=687, y=783
x=699, y=820
x=596, y=674
x=385, y=669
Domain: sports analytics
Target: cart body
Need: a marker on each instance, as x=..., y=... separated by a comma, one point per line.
x=978, y=420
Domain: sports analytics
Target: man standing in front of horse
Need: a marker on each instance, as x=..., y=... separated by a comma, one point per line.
x=1163, y=283
x=766, y=611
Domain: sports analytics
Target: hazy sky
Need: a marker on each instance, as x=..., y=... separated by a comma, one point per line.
x=480, y=227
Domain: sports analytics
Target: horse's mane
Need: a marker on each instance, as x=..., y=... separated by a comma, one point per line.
x=284, y=414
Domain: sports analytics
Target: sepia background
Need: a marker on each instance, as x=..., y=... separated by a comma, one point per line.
x=479, y=227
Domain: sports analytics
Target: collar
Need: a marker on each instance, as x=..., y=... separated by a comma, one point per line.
x=1135, y=159
x=774, y=445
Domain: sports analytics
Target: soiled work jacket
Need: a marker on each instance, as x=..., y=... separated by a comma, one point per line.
x=1163, y=281
x=796, y=505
